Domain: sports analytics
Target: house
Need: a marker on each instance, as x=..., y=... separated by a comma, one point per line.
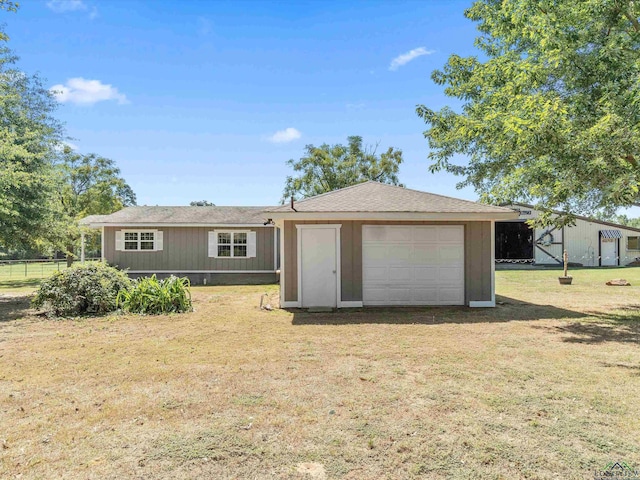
x=375, y=244
x=589, y=243
x=210, y=245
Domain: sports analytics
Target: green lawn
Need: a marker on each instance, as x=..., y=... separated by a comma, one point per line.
x=24, y=277
x=544, y=386
x=16, y=270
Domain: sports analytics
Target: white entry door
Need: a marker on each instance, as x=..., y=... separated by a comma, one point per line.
x=318, y=266
x=609, y=251
x=413, y=265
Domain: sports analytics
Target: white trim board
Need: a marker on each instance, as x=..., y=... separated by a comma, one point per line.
x=482, y=303
x=295, y=304
x=493, y=263
x=282, y=264
x=275, y=248
x=350, y=304
x=201, y=271
x=172, y=225
x=289, y=304
x=102, y=258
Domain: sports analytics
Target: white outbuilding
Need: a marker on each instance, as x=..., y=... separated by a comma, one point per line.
x=590, y=242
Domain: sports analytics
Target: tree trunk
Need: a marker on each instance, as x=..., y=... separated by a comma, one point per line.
x=70, y=256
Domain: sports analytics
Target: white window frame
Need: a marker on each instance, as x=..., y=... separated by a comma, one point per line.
x=231, y=244
x=139, y=232
x=638, y=242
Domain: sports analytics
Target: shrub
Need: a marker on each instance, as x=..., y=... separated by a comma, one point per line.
x=83, y=289
x=152, y=296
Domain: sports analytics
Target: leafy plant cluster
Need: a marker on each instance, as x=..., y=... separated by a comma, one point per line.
x=97, y=289
x=152, y=296
x=81, y=290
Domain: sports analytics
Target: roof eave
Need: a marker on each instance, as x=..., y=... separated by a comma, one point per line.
x=407, y=216
x=581, y=217
x=169, y=224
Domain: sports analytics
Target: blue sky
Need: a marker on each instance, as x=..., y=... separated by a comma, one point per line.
x=208, y=100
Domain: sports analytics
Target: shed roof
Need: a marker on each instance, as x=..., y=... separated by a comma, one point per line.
x=370, y=197
x=581, y=217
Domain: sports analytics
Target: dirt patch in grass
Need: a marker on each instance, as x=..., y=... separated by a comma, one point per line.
x=537, y=388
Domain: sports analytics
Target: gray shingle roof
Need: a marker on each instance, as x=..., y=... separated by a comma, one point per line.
x=92, y=219
x=183, y=215
x=380, y=197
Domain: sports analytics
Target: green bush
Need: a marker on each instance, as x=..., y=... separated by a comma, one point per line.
x=152, y=296
x=83, y=289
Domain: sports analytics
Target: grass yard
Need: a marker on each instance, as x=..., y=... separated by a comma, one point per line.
x=545, y=386
x=24, y=277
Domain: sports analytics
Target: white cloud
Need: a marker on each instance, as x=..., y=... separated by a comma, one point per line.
x=86, y=92
x=61, y=6
x=283, y=136
x=405, y=58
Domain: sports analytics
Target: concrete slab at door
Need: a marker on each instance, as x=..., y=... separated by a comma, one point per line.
x=318, y=267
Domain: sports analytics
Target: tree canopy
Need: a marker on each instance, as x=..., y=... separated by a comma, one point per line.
x=89, y=185
x=202, y=203
x=29, y=135
x=550, y=112
x=330, y=167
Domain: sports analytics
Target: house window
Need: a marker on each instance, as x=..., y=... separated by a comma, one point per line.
x=633, y=243
x=142, y=240
x=232, y=244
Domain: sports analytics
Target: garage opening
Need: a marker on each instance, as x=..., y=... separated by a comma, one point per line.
x=514, y=241
x=413, y=265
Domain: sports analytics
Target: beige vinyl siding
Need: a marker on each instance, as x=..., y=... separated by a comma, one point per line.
x=477, y=257
x=186, y=249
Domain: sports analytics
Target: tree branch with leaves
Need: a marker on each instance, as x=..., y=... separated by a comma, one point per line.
x=330, y=167
x=551, y=114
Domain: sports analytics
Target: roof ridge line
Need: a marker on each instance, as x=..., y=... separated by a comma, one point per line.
x=439, y=195
x=332, y=191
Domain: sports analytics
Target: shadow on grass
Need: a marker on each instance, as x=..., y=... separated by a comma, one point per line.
x=507, y=310
x=13, y=308
x=19, y=283
x=611, y=330
x=632, y=369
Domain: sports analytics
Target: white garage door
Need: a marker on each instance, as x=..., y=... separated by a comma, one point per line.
x=407, y=265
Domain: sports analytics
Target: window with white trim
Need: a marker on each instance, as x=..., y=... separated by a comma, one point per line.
x=232, y=244
x=633, y=243
x=139, y=240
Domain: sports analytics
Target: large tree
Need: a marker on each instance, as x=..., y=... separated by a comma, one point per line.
x=90, y=185
x=29, y=135
x=550, y=112
x=329, y=167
